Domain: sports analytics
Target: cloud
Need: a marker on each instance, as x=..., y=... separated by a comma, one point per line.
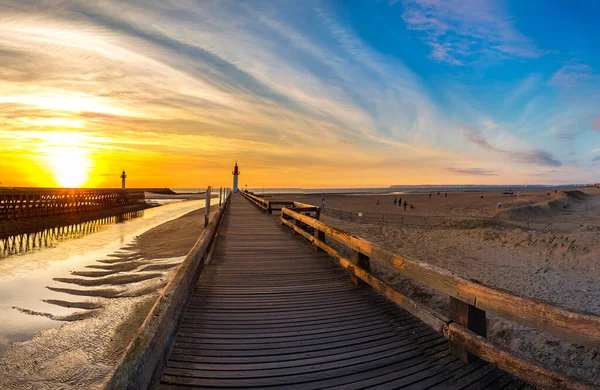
x=471, y=171
x=572, y=75
x=595, y=159
x=534, y=156
x=475, y=136
x=459, y=31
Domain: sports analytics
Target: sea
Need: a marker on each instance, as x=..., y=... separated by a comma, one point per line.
x=395, y=189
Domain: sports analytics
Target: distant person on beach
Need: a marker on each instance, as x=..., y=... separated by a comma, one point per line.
x=395, y=201
x=377, y=202
x=323, y=202
x=400, y=202
x=438, y=192
x=430, y=195
x=446, y=195
x=405, y=204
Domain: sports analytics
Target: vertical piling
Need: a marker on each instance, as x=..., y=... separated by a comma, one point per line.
x=207, y=206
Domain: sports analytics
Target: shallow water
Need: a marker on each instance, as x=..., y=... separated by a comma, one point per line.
x=25, y=279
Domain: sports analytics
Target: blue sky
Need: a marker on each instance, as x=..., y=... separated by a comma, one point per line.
x=313, y=93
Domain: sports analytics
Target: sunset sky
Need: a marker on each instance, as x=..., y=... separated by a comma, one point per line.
x=301, y=93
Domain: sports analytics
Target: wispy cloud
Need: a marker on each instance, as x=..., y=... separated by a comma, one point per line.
x=459, y=31
x=533, y=156
x=572, y=75
x=472, y=171
x=476, y=137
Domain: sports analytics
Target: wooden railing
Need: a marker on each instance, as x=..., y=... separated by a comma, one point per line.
x=469, y=302
x=277, y=205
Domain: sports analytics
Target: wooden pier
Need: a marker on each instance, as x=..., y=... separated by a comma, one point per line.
x=254, y=305
x=16, y=204
x=272, y=312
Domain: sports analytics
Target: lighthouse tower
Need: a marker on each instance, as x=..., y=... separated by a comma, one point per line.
x=236, y=173
x=123, y=177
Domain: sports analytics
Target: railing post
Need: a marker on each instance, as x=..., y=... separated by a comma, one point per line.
x=471, y=318
x=207, y=206
x=269, y=209
x=319, y=235
x=361, y=261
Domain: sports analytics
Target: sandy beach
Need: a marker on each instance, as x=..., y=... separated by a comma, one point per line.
x=542, y=245
x=112, y=298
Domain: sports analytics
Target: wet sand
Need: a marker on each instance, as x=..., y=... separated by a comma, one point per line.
x=109, y=300
x=557, y=259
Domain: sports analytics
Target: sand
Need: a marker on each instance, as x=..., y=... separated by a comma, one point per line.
x=556, y=259
x=114, y=296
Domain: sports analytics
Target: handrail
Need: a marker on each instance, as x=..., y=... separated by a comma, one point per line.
x=149, y=349
x=260, y=202
x=273, y=205
x=578, y=327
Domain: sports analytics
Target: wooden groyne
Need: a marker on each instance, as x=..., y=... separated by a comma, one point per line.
x=254, y=306
x=17, y=204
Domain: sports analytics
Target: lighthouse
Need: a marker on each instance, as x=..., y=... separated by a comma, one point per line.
x=123, y=177
x=236, y=173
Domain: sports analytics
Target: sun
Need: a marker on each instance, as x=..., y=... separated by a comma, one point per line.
x=70, y=166
x=67, y=158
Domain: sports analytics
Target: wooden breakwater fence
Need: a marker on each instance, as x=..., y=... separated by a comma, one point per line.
x=16, y=204
x=469, y=301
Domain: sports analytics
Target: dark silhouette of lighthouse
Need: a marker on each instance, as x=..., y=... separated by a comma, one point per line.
x=123, y=177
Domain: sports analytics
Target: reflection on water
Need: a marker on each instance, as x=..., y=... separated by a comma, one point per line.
x=23, y=243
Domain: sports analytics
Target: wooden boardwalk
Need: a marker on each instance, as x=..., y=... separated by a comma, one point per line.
x=271, y=312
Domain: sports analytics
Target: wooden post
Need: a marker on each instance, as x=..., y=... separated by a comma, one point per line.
x=220, y=196
x=319, y=235
x=207, y=206
x=362, y=261
x=471, y=318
